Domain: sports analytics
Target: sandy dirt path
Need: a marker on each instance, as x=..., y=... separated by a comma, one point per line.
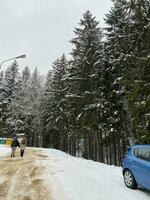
x=21, y=178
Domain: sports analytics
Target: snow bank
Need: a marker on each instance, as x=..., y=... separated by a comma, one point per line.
x=4, y=150
x=70, y=178
x=81, y=179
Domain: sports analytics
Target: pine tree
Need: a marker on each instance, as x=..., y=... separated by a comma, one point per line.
x=25, y=103
x=55, y=103
x=127, y=48
x=117, y=45
x=35, y=95
x=10, y=86
x=117, y=20
x=3, y=102
x=83, y=83
x=26, y=74
x=16, y=118
x=137, y=74
x=46, y=105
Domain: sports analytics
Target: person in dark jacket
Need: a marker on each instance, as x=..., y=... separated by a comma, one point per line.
x=14, y=145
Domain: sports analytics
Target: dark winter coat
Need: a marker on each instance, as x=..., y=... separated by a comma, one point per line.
x=15, y=143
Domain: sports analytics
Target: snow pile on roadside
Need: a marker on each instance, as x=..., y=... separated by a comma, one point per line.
x=69, y=178
x=79, y=179
x=4, y=150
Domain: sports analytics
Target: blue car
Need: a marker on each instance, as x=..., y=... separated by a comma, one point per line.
x=136, y=167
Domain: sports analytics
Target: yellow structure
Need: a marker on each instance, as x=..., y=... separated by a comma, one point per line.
x=6, y=141
x=9, y=141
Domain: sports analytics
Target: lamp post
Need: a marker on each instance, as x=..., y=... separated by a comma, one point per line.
x=17, y=57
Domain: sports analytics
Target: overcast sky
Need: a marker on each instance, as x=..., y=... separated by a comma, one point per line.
x=42, y=29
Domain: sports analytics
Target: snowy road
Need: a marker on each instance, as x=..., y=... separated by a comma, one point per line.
x=21, y=179
x=49, y=174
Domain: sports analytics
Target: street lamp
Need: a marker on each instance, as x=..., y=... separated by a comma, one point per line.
x=17, y=57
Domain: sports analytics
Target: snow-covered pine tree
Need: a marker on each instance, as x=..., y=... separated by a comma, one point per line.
x=46, y=106
x=112, y=115
x=138, y=29
x=56, y=116
x=83, y=88
x=137, y=61
x=136, y=78
x=35, y=94
x=1, y=76
x=26, y=75
x=19, y=106
x=128, y=47
x=26, y=104
x=9, y=88
x=117, y=45
x=116, y=35
x=3, y=102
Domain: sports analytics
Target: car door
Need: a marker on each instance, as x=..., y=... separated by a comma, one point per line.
x=146, y=174
x=141, y=166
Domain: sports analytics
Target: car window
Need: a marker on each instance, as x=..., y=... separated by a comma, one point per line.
x=136, y=152
x=142, y=153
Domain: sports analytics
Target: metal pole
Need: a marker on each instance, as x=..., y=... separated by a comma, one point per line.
x=17, y=57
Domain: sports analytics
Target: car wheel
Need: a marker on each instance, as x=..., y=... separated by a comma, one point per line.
x=129, y=179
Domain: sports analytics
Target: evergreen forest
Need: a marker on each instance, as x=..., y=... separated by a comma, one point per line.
x=94, y=104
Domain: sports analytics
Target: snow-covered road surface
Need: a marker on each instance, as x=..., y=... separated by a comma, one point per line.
x=47, y=174
x=21, y=178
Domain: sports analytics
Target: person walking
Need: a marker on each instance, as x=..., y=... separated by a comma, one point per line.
x=14, y=145
x=23, y=145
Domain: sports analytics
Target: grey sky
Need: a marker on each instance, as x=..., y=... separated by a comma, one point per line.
x=41, y=29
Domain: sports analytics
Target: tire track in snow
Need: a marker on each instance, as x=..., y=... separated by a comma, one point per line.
x=21, y=179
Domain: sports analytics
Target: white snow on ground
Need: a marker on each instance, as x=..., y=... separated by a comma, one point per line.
x=4, y=150
x=88, y=180
x=69, y=178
